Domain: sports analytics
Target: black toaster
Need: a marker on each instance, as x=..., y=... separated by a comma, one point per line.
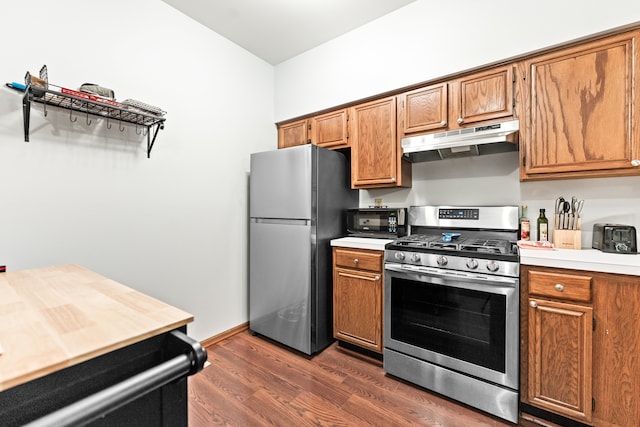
x=616, y=238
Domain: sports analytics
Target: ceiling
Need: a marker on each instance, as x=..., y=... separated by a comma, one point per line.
x=276, y=30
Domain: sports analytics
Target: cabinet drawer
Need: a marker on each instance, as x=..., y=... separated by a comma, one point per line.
x=359, y=259
x=557, y=285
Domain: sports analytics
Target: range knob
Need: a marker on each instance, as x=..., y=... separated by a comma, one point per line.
x=493, y=266
x=399, y=256
x=441, y=260
x=472, y=264
x=415, y=257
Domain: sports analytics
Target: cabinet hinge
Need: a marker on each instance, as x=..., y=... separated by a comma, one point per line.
x=594, y=323
x=593, y=404
x=514, y=74
x=524, y=75
x=347, y=134
x=308, y=127
x=524, y=160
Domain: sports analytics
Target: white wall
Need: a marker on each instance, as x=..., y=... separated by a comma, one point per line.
x=172, y=226
x=427, y=40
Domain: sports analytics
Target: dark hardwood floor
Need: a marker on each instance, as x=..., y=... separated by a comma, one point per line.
x=254, y=382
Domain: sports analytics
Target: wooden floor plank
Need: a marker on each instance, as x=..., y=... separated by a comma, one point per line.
x=253, y=381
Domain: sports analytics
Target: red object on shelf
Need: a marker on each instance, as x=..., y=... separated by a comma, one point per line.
x=89, y=97
x=3, y=268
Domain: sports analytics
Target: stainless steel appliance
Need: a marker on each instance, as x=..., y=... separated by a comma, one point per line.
x=452, y=305
x=472, y=141
x=298, y=197
x=377, y=222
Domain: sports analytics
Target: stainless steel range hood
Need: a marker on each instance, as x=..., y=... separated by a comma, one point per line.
x=475, y=141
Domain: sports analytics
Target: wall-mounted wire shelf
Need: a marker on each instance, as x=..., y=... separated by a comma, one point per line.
x=87, y=105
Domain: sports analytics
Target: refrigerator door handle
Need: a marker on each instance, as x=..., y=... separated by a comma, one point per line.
x=281, y=221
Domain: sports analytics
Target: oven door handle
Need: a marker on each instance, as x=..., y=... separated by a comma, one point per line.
x=472, y=278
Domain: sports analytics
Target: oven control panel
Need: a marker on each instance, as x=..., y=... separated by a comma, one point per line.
x=465, y=213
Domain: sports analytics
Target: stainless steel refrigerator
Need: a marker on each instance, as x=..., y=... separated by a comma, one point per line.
x=297, y=202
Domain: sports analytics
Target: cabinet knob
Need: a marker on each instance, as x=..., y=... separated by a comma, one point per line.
x=356, y=261
x=443, y=123
x=460, y=121
x=559, y=287
x=635, y=162
x=377, y=278
x=533, y=304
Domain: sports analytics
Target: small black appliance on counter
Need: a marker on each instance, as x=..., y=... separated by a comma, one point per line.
x=614, y=238
x=383, y=223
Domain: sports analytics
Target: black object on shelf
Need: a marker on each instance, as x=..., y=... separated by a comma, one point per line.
x=39, y=90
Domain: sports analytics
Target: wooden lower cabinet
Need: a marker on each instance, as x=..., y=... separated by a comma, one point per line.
x=580, y=345
x=559, y=357
x=357, y=297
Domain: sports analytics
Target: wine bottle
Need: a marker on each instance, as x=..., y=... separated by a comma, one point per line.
x=543, y=227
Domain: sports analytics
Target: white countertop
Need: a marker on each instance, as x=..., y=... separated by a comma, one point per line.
x=361, y=243
x=584, y=259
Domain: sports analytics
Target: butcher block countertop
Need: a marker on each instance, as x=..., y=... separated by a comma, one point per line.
x=55, y=317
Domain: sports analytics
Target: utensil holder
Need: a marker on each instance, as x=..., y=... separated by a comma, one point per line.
x=567, y=239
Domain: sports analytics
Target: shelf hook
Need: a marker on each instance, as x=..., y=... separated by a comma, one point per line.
x=108, y=123
x=120, y=126
x=44, y=106
x=71, y=119
x=138, y=133
x=88, y=121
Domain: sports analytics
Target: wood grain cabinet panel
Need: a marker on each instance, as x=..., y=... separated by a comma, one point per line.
x=483, y=96
x=559, y=354
x=581, y=119
x=357, y=297
x=616, y=350
x=330, y=130
x=292, y=134
x=423, y=110
x=580, y=349
x=376, y=154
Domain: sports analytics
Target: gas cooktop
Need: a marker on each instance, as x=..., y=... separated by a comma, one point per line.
x=457, y=242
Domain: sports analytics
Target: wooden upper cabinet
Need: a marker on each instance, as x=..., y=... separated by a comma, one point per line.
x=483, y=96
x=580, y=112
x=423, y=110
x=292, y=134
x=330, y=130
x=376, y=159
x=486, y=96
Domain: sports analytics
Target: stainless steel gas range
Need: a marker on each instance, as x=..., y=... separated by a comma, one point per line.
x=452, y=305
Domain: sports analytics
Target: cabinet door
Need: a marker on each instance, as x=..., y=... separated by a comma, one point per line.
x=375, y=152
x=581, y=113
x=357, y=308
x=423, y=110
x=559, y=358
x=483, y=96
x=330, y=130
x=292, y=134
x=616, y=345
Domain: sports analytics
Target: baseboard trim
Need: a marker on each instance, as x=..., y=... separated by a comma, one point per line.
x=224, y=335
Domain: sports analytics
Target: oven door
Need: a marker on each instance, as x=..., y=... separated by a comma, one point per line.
x=462, y=321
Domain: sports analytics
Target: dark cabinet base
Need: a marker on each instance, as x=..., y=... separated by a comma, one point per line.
x=165, y=406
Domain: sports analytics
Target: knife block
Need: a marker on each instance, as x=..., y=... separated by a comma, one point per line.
x=567, y=239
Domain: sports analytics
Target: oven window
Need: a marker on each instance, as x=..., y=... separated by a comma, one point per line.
x=460, y=323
